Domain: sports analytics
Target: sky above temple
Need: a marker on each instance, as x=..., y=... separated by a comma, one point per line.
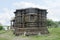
x=7, y=7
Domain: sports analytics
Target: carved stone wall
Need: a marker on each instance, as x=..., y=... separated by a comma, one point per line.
x=30, y=21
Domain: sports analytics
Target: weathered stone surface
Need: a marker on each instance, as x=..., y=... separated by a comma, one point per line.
x=30, y=21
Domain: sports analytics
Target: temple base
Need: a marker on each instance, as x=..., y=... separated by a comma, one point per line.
x=31, y=31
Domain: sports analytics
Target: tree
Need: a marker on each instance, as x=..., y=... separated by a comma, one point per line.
x=1, y=27
x=51, y=23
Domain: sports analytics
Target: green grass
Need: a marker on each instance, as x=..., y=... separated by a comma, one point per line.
x=53, y=35
x=6, y=35
x=3, y=38
x=2, y=31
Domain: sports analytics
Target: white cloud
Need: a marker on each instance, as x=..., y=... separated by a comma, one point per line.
x=6, y=16
x=52, y=3
x=53, y=7
x=26, y=5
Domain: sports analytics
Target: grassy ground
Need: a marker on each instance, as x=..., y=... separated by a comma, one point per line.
x=53, y=35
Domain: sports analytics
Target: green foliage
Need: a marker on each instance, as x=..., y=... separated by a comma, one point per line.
x=1, y=27
x=51, y=23
x=58, y=22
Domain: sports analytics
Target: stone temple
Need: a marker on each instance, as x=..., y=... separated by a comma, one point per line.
x=30, y=21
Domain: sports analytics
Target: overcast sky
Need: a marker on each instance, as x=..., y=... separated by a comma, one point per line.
x=7, y=7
